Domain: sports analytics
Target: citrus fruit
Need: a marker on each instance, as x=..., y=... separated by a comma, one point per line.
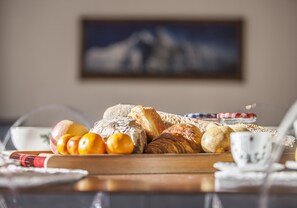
x=62, y=144
x=91, y=143
x=72, y=145
x=119, y=144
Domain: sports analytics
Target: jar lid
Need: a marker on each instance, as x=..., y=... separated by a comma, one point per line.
x=236, y=115
x=201, y=115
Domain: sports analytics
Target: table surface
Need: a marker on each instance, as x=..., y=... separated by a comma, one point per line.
x=148, y=183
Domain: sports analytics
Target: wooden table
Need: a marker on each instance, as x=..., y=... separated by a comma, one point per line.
x=131, y=187
x=173, y=183
x=148, y=183
x=157, y=189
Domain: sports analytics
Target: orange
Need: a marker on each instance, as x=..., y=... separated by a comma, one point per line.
x=72, y=145
x=119, y=144
x=62, y=144
x=91, y=143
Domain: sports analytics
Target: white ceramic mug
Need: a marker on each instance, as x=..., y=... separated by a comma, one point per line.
x=250, y=148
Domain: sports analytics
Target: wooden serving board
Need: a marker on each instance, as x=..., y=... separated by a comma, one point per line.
x=140, y=163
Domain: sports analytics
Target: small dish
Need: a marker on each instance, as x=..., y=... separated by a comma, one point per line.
x=291, y=164
x=28, y=177
x=27, y=138
x=225, y=166
x=232, y=179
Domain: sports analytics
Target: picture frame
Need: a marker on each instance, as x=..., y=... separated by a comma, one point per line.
x=161, y=48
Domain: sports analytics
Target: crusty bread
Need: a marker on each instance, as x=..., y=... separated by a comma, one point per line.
x=216, y=139
x=149, y=119
x=120, y=110
x=170, y=119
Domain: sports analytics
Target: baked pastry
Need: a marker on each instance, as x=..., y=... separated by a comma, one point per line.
x=216, y=139
x=212, y=124
x=149, y=119
x=120, y=110
x=108, y=127
x=172, y=119
x=188, y=131
x=168, y=119
x=169, y=143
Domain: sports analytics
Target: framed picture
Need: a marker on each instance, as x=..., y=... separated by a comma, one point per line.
x=163, y=48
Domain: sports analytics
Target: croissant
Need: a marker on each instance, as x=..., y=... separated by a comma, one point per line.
x=169, y=143
x=188, y=131
x=179, y=138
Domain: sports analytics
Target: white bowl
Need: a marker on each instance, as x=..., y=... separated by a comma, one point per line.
x=30, y=138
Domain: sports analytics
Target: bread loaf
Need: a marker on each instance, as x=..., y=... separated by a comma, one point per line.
x=149, y=120
x=172, y=119
x=216, y=139
x=120, y=110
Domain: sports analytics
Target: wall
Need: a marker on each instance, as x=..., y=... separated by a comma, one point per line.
x=39, y=57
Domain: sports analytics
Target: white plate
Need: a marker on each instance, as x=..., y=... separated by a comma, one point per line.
x=225, y=166
x=14, y=176
x=233, y=179
x=291, y=164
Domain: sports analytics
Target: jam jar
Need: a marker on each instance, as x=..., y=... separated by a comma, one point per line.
x=236, y=117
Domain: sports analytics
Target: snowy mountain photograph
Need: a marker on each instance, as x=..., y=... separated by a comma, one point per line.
x=130, y=48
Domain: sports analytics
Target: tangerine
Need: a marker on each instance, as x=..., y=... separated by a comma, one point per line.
x=91, y=143
x=72, y=145
x=119, y=144
x=62, y=144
